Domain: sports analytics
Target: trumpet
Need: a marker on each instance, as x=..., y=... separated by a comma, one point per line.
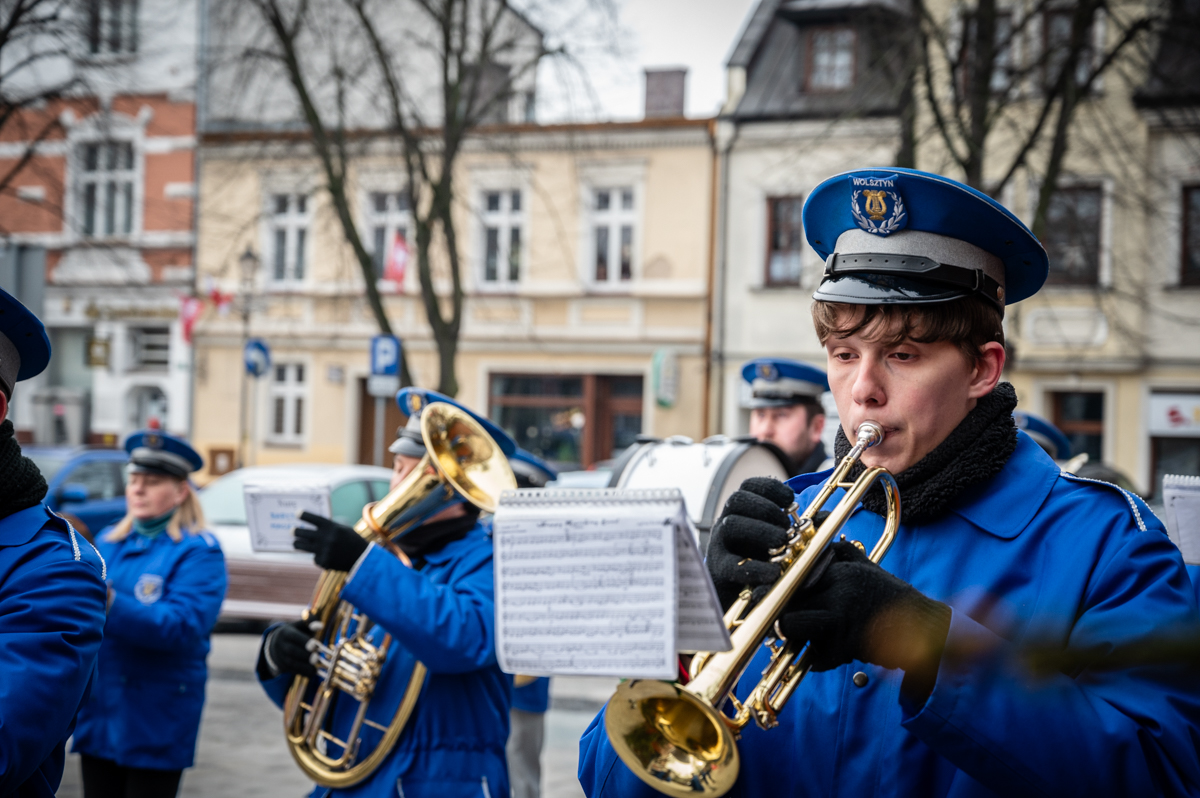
x=675, y=737
x=461, y=462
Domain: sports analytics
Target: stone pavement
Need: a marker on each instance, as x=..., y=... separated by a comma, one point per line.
x=242, y=753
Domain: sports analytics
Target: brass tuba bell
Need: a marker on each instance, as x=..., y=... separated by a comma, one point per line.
x=675, y=737
x=461, y=461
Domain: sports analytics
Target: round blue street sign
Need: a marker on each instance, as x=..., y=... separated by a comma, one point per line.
x=257, y=356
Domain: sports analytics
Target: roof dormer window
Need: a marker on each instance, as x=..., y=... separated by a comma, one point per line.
x=831, y=59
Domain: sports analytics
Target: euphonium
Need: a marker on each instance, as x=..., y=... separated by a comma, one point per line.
x=675, y=737
x=461, y=462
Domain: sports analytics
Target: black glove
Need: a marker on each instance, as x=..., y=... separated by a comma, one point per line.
x=855, y=610
x=336, y=547
x=752, y=522
x=286, y=650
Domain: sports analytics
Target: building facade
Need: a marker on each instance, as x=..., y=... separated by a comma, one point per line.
x=1109, y=350
x=101, y=217
x=585, y=254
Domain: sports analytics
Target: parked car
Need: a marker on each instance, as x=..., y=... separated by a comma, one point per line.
x=86, y=485
x=279, y=585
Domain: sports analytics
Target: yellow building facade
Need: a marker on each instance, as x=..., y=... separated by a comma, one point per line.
x=585, y=258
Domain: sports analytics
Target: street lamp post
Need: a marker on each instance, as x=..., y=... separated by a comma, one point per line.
x=248, y=264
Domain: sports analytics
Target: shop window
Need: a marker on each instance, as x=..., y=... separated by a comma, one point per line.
x=1080, y=416
x=151, y=348
x=831, y=60
x=784, y=240
x=1190, y=272
x=1072, y=239
x=573, y=421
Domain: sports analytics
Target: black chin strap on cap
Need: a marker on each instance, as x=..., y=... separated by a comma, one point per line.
x=958, y=280
x=10, y=365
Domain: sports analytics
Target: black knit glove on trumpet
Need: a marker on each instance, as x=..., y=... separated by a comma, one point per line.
x=752, y=523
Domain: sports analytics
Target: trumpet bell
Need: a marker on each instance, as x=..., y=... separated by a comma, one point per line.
x=671, y=739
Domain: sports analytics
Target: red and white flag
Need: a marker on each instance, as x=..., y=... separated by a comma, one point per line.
x=396, y=265
x=190, y=308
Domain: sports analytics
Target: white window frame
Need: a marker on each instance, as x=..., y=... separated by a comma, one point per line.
x=129, y=20
x=837, y=30
x=392, y=219
x=601, y=175
x=290, y=391
x=486, y=179
x=1104, y=276
x=503, y=220
x=296, y=226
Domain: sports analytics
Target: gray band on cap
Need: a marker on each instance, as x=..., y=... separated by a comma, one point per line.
x=943, y=249
x=785, y=386
x=145, y=458
x=408, y=440
x=10, y=365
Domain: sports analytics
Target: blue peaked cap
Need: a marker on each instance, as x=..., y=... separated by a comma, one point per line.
x=902, y=236
x=153, y=451
x=536, y=470
x=24, y=345
x=413, y=400
x=1048, y=436
x=780, y=382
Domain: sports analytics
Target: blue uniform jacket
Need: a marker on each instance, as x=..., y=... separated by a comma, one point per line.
x=444, y=616
x=144, y=711
x=51, y=621
x=1033, y=555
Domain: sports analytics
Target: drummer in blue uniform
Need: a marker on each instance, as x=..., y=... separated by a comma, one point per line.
x=439, y=610
x=166, y=575
x=786, y=409
x=51, y=591
x=1049, y=437
x=921, y=682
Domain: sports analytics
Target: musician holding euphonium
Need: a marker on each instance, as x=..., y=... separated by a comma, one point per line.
x=431, y=591
x=920, y=683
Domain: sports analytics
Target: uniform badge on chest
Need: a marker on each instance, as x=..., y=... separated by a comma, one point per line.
x=148, y=588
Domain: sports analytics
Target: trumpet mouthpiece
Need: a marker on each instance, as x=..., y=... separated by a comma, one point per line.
x=869, y=434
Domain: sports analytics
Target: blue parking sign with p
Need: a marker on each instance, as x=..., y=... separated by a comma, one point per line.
x=385, y=355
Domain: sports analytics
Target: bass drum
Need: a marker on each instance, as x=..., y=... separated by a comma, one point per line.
x=706, y=472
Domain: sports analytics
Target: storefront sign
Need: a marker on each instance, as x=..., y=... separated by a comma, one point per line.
x=1175, y=414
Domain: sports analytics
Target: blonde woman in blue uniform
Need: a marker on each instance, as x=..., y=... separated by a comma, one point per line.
x=166, y=577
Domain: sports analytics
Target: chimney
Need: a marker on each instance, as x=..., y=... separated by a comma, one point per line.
x=664, y=92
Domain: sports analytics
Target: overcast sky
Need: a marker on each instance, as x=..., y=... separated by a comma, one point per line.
x=697, y=34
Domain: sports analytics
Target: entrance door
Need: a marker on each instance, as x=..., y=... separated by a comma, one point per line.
x=392, y=419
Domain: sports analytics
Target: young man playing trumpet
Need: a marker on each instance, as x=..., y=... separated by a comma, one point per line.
x=922, y=681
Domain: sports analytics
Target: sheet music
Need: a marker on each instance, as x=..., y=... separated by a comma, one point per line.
x=599, y=583
x=272, y=510
x=1181, y=508
x=698, y=625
